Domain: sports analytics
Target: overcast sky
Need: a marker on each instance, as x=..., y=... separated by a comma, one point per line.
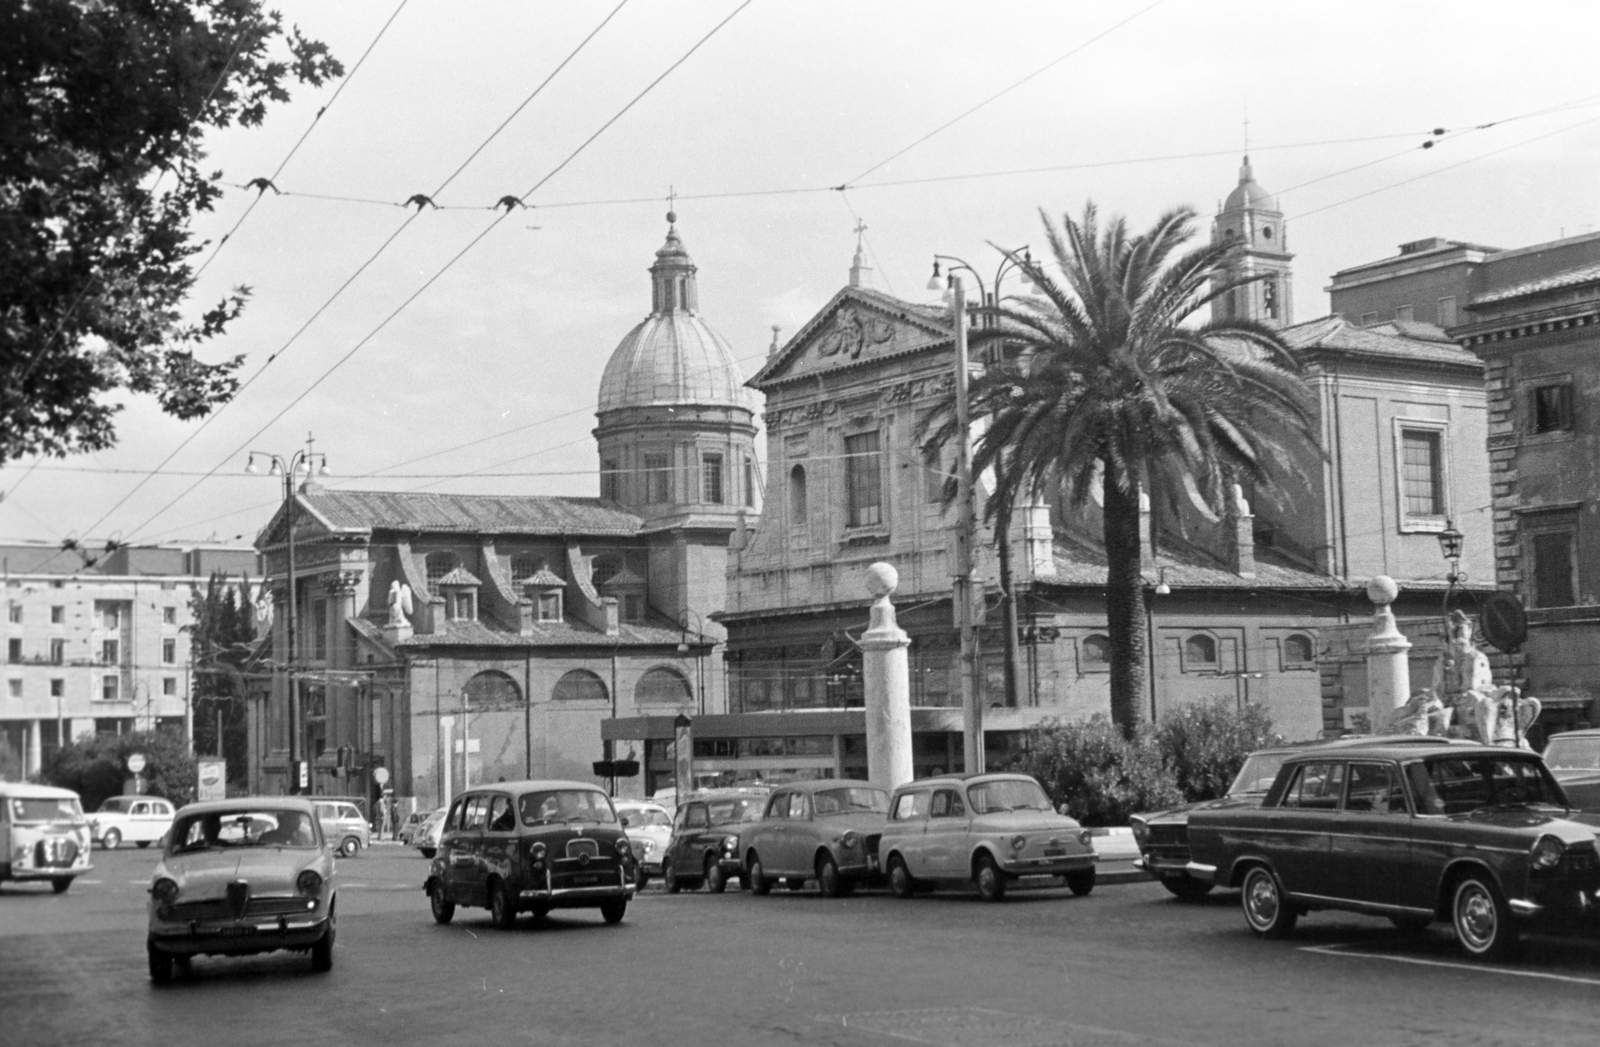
x=787, y=96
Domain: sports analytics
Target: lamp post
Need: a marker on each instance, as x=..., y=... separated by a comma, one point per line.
x=699, y=662
x=966, y=514
x=1450, y=543
x=310, y=460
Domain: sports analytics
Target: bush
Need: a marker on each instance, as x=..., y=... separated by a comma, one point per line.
x=1204, y=745
x=1099, y=775
x=95, y=768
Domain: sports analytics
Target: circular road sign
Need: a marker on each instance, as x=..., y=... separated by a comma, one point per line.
x=381, y=775
x=1505, y=623
x=136, y=762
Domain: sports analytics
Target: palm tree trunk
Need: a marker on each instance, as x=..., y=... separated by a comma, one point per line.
x=1124, y=604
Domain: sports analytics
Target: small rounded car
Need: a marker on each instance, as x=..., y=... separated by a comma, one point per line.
x=532, y=846
x=824, y=830
x=43, y=835
x=344, y=826
x=426, y=836
x=239, y=877
x=649, y=826
x=986, y=830
x=1574, y=758
x=703, y=849
x=131, y=819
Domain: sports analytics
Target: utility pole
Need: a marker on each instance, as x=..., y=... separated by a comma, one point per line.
x=966, y=525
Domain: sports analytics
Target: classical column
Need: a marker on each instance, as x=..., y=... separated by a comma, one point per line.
x=1388, y=662
x=887, y=682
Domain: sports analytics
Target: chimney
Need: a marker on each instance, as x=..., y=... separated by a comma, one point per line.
x=1241, y=554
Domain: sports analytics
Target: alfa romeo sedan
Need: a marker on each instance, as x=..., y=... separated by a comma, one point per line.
x=1480, y=836
x=532, y=846
x=242, y=876
x=987, y=830
x=824, y=830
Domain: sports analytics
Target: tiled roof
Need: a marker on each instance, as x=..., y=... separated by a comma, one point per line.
x=1571, y=278
x=1082, y=563
x=365, y=511
x=545, y=634
x=459, y=576
x=545, y=578
x=1340, y=335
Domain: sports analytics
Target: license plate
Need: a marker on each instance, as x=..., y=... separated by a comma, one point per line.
x=1055, y=852
x=233, y=932
x=585, y=881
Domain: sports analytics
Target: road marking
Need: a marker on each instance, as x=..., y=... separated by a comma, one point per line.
x=972, y=1026
x=82, y=880
x=1340, y=950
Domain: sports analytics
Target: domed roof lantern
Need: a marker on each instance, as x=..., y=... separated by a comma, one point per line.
x=672, y=275
x=1248, y=194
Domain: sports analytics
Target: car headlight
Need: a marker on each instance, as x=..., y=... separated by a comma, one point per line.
x=644, y=847
x=730, y=845
x=164, y=891
x=308, y=882
x=1548, y=852
x=850, y=838
x=623, y=848
x=1018, y=842
x=1085, y=837
x=1141, y=831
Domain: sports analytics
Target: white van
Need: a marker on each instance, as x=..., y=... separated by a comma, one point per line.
x=43, y=834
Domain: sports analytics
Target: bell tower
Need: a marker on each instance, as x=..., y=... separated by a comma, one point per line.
x=1250, y=219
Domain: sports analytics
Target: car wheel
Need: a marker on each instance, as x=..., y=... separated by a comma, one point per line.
x=502, y=907
x=1482, y=919
x=1186, y=887
x=829, y=884
x=640, y=880
x=60, y=884
x=1081, y=882
x=1266, y=910
x=143, y=844
x=349, y=847
x=427, y=852
x=900, y=881
x=322, y=951
x=111, y=840
x=613, y=909
x=669, y=877
x=759, y=884
x=716, y=880
x=444, y=910
x=160, y=964
x=991, y=884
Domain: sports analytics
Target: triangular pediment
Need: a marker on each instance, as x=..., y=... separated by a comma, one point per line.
x=858, y=326
x=308, y=524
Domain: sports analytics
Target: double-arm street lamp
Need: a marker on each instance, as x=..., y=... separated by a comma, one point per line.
x=966, y=519
x=313, y=462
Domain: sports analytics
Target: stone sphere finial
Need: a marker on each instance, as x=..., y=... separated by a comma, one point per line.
x=882, y=579
x=1382, y=590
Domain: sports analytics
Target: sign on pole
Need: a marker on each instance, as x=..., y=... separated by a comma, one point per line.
x=136, y=762
x=381, y=775
x=213, y=780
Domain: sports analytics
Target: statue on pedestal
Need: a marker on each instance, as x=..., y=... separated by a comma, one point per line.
x=1484, y=712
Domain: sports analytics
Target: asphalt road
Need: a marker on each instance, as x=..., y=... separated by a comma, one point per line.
x=1126, y=965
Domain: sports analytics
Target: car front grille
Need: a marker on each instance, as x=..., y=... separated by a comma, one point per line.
x=209, y=909
x=220, y=909
x=279, y=906
x=55, y=852
x=583, y=848
x=1169, y=836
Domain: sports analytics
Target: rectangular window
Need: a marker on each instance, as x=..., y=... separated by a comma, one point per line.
x=58, y=651
x=110, y=615
x=169, y=616
x=319, y=630
x=934, y=476
x=1269, y=297
x=863, y=477
x=549, y=607
x=1552, y=569
x=169, y=652
x=110, y=687
x=632, y=607
x=658, y=478
x=1447, y=311
x=15, y=687
x=1404, y=313
x=58, y=615
x=14, y=649
x=108, y=652
x=1368, y=319
x=610, y=488
x=58, y=688
x=1421, y=472
x=169, y=685
x=711, y=479
x=750, y=482
x=14, y=613
x=1551, y=407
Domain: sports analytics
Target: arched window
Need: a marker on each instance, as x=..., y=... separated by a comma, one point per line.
x=492, y=690
x=439, y=565
x=1297, y=651
x=797, y=496
x=1199, y=651
x=605, y=568
x=580, y=685
x=1096, y=653
x=663, y=686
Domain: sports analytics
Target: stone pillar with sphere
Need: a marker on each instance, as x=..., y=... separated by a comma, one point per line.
x=887, y=682
x=1388, y=657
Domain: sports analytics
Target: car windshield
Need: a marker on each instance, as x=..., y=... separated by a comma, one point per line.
x=637, y=819
x=1008, y=794
x=1573, y=754
x=46, y=809
x=236, y=829
x=566, y=805
x=1257, y=774
x=1461, y=785
x=850, y=801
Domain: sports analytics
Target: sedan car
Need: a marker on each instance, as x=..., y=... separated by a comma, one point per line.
x=703, y=848
x=131, y=819
x=824, y=830
x=649, y=827
x=242, y=876
x=532, y=846
x=1574, y=758
x=1480, y=836
x=988, y=830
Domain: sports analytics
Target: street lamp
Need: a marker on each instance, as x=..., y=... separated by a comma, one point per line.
x=1450, y=543
x=1020, y=261
x=312, y=461
x=683, y=648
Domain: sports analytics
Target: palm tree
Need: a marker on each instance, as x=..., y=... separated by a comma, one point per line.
x=1116, y=389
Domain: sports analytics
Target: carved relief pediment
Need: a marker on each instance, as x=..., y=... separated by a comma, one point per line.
x=853, y=329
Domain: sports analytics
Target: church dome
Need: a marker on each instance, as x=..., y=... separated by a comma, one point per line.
x=1248, y=194
x=673, y=356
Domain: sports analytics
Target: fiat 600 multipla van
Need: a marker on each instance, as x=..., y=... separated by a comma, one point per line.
x=43, y=834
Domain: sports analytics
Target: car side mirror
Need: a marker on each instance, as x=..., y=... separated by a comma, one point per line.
x=1061, y=808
